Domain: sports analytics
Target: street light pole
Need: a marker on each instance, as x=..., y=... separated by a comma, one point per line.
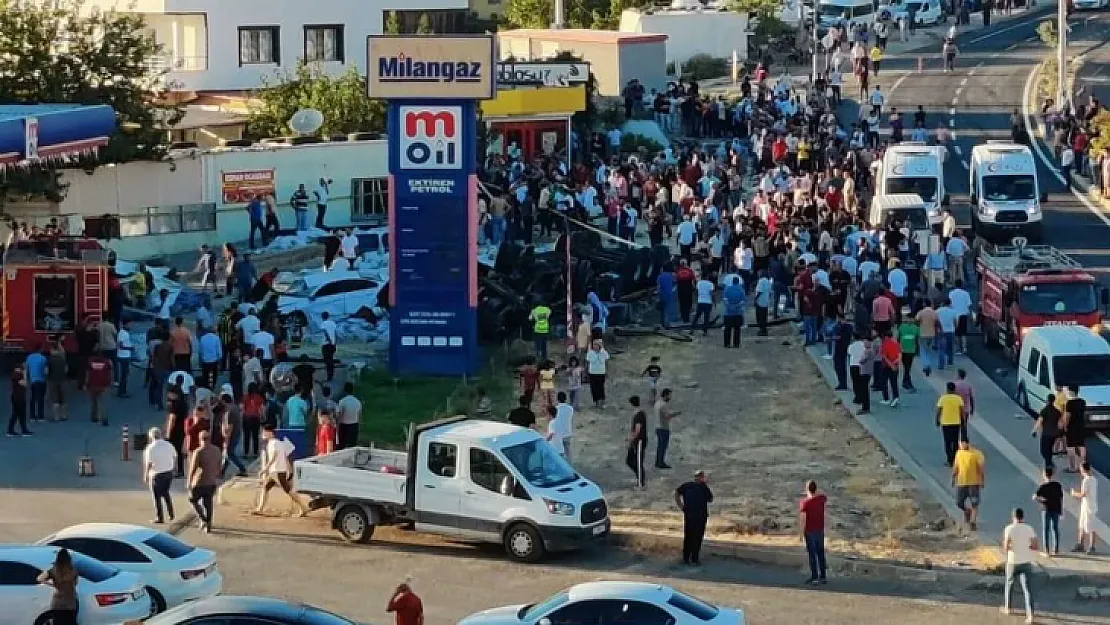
x=813, y=80
x=1062, y=92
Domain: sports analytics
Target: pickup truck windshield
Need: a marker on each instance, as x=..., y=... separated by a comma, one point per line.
x=538, y=463
x=1093, y=370
x=1055, y=298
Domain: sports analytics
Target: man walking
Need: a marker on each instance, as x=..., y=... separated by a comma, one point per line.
x=211, y=354
x=331, y=339
x=37, y=369
x=841, y=337
x=348, y=414
x=693, y=498
x=735, y=299
x=125, y=353
x=159, y=463
x=1050, y=494
x=637, y=442
x=1087, y=494
x=950, y=419
x=764, y=297
x=205, y=467
x=663, y=414
x=1019, y=541
x=812, y=522
x=98, y=379
x=541, y=329
x=969, y=476
x=407, y=607
x=704, y=309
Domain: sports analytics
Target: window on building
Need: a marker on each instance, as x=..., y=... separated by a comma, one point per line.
x=259, y=44
x=168, y=220
x=323, y=43
x=369, y=199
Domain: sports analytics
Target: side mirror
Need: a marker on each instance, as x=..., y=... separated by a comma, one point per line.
x=1044, y=196
x=946, y=200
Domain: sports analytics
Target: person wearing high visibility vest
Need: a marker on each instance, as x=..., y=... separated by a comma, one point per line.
x=541, y=329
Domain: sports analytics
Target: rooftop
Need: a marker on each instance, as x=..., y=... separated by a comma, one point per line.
x=581, y=35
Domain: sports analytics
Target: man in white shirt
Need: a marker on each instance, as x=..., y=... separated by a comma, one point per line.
x=687, y=234
x=956, y=250
x=948, y=320
x=276, y=470
x=705, y=304
x=331, y=339
x=248, y=326
x=159, y=463
x=560, y=430
x=264, y=341
x=125, y=353
x=1019, y=541
x=877, y=100
x=860, y=371
x=1087, y=494
x=348, y=415
x=960, y=301
x=252, y=371
x=348, y=246
x=321, y=192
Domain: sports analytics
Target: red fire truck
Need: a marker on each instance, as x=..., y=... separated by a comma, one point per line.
x=50, y=286
x=1024, y=286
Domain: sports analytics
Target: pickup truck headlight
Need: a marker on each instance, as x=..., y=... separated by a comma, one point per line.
x=1034, y=208
x=559, y=507
x=987, y=210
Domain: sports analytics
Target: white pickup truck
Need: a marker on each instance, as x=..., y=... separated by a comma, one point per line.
x=475, y=480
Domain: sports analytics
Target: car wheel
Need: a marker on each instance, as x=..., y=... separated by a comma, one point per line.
x=523, y=543
x=45, y=619
x=1022, y=398
x=157, y=601
x=354, y=524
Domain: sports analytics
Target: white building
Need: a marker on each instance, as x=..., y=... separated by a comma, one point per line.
x=692, y=29
x=232, y=45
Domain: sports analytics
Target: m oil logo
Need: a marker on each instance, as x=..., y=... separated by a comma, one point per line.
x=431, y=137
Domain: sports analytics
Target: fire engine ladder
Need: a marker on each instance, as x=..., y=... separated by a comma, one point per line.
x=1010, y=260
x=93, y=291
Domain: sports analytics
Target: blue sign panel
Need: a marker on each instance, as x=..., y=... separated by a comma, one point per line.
x=433, y=225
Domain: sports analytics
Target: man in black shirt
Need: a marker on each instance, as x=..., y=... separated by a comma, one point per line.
x=306, y=374
x=1051, y=497
x=693, y=498
x=1075, y=429
x=637, y=441
x=522, y=415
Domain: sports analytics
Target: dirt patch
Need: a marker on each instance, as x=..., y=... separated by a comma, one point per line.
x=762, y=421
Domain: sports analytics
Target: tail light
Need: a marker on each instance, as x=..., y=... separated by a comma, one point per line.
x=192, y=574
x=108, y=599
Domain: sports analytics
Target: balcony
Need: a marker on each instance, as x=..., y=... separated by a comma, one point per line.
x=178, y=63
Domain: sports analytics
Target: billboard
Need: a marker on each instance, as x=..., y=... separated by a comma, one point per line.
x=542, y=73
x=240, y=187
x=430, y=68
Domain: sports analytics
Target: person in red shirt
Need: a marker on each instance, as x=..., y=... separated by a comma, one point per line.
x=407, y=607
x=98, y=378
x=253, y=406
x=684, y=280
x=325, y=435
x=529, y=376
x=778, y=150
x=812, y=513
x=891, y=351
x=833, y=199
x=198, y=422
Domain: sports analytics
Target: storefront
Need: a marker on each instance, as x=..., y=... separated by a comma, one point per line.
x=531, y=113
x=52, y=134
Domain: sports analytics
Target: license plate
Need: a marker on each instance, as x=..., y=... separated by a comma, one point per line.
x=599, y=530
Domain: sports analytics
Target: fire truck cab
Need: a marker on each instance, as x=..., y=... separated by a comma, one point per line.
x=1026, y=286
x=50, y=286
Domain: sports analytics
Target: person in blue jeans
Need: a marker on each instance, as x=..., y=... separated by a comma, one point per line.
x=36, y=366
x=664, y=414
x=947, y=318
x=1050, y=494
x=812, y=522
x=254, y=212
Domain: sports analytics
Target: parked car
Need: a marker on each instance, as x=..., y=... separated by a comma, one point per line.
x=611, y=603
x=106, y=595
x=172, y=572
x=231, y=610
x=340, y=293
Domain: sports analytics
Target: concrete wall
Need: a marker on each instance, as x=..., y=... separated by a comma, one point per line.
x=644, y=61
x=692, y=32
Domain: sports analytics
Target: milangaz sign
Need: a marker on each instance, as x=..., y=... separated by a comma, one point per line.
x=430, y=68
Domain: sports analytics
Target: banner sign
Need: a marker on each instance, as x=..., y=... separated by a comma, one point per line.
x=434, y=234
x=540, y=73
x=430, y=68
x=240, y=187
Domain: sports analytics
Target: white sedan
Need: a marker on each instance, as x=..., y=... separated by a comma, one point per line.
x=171, y=571
x=611, y=603
x=105, y=594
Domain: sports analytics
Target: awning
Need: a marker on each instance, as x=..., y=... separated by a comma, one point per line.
x=44, y=132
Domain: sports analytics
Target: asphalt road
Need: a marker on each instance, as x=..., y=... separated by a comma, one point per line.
x=976, y=101
x=456, y=581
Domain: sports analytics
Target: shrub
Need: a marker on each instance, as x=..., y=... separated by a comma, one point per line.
x=704, y=67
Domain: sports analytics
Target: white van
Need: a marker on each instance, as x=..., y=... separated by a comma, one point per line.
x=1006, y=196
x=1065, y=355
x=832, y=12
x=914, y=167
x=908, y=209
x=925, y=12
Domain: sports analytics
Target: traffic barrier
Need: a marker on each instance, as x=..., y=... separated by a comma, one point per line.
x=126, y=444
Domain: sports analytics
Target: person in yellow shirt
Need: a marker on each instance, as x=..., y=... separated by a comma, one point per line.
x=951, y=414
x=876, y=59
x=805, y=148
x=969, y=476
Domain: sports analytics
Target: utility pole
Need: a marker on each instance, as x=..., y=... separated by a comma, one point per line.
x=560, y=18
x=1063, y=94
x=813, y=79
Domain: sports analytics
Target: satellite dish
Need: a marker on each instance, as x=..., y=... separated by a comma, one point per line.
x=306, y=121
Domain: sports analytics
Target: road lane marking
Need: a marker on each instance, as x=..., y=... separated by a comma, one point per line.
x=951, y=123
x=1025, y=22
x=952, y=111
x=963, y=82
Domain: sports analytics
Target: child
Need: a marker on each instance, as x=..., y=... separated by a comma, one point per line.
x=529, y=376
x=253, y=406
x=574, y=380
x=547, y=383
x=653, y=372
x=325, y=434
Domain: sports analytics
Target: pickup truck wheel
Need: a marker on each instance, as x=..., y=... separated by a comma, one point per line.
x=353, y=523
x=523, y=543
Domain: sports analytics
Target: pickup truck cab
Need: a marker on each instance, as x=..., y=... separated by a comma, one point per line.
x=474, y=480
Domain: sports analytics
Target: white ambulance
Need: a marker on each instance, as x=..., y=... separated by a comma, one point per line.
x=1006, y=196
x=916, y=168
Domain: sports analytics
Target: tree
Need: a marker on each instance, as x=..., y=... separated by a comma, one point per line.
x=56, y=53
x=393, y=24
x=764, y=14
x=541, y=13
x=611, y=18
x=424, y=26
x=341, y=99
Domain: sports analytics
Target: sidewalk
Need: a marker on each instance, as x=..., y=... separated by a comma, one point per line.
x=1001, y=431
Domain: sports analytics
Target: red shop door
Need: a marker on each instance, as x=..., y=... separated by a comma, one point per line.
x=534, y=138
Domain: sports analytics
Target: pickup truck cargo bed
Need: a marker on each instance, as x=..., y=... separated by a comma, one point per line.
x=356, y=474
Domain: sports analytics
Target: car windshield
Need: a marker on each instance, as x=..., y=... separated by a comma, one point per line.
x=1093, y=370
x=914, y=217
x=693, y=606
x=539, y=464
x=534, y=611
x=168, y=546
x=1054, y=298
x=93, y=570
x=299, y=288
x=1009, y=188
x=923, y=186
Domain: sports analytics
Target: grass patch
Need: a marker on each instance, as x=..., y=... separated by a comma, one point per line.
x=391, y=404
